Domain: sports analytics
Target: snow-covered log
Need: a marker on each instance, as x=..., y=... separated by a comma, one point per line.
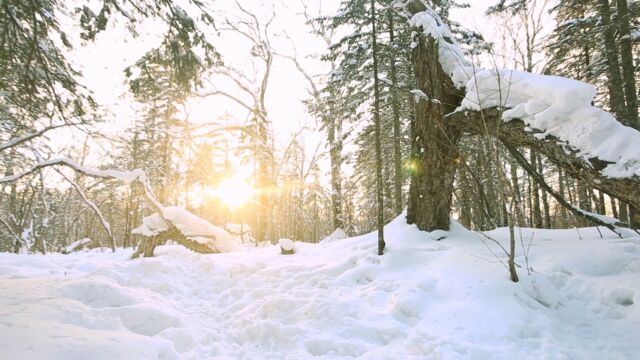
x=199, y=234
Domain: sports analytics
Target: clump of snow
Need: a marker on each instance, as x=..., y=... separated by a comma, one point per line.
x=423, y=299
x=77, y=245
x=287, y=246
x=604, y=218
x=562, y=108
x=337, y=234
x=190, y=225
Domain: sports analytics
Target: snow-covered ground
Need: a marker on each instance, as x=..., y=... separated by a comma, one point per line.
x=424, y=299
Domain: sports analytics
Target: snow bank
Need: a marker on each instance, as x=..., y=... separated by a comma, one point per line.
x=551, y=105
x=192, y=226
x=424, y=299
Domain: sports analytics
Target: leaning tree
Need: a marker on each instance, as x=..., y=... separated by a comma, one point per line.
x=457, y=99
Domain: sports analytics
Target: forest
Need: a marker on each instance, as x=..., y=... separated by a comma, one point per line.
x=426, y=166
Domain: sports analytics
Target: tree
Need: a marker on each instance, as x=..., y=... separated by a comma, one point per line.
x=376, y=121
x=41, y=92
x=441, y=126
x=348, y=91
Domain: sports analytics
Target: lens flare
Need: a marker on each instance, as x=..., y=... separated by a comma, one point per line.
x=234, y=192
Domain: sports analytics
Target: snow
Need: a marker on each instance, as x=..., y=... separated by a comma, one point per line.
x=287, y=244
x=337, y=234
x=451, y=56
x=423, y=299
x=604, y=218
x=551, y=105
x=76, y=245
x=126, y=176
x=561, y=108
x=192, y=226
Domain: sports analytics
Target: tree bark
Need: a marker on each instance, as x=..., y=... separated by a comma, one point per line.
x=397, y=144
x=378, y=130
x=537, y=214
x=614, y=83
x=628, y=68
x=435, y=141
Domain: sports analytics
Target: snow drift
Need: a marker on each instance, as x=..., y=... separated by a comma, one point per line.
x=424, y=299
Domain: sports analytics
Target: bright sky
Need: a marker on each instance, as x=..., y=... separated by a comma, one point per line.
x=103, y=63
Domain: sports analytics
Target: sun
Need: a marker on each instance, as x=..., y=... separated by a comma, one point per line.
x=234, y=192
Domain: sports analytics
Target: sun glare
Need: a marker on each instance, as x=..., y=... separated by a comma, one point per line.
x=234, y=192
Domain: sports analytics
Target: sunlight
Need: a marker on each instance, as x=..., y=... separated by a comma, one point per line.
x=234, y=192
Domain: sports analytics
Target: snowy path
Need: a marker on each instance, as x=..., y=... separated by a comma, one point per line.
x=423, y=300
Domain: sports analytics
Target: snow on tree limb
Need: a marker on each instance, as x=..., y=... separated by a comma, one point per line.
x=126, y=176
x=22, y=139
x=551, y=105
x=94, y=208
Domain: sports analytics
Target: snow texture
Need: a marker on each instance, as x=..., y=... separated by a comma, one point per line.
x=424, y=299
x=190, y=225
x=338, y=234
x=556, y=106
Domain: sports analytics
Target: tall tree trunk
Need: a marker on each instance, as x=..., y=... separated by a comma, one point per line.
x=614, y=208
x=631, y=95
x=614, y=83
x=378, y=130
x=435, y=141
x=535, y=193
x=561, y=186
x=628, y=68
x=334, y=137
x=397, y=144
x=624, y=212
x=545, y=199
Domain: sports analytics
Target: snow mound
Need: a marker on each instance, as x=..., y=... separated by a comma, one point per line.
x=338, y=234
x=192, y=226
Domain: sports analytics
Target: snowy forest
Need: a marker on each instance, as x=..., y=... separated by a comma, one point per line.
x=271, y=179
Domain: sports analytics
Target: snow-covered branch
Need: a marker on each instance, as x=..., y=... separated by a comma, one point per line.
x=22, y=139
x=126, y=176
x=94, y=208
x=551, y=105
